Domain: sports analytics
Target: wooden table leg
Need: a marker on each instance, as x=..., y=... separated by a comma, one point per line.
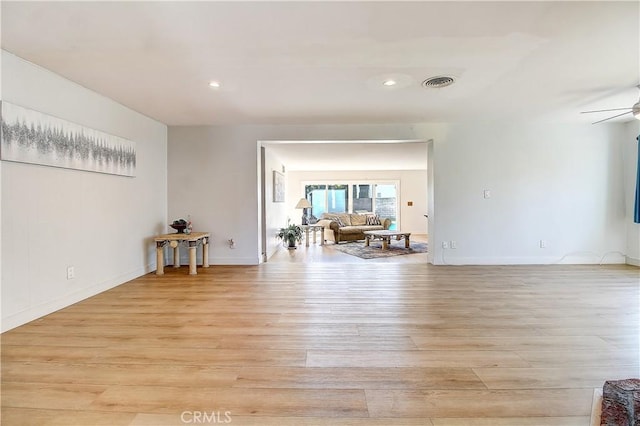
x=160, y=257
x=366, y=240
x=385, y=243
x=306, y=238
x=322, y=236
x=205, y=252
x=176, y=254
x=193, y=245
x=406, y=241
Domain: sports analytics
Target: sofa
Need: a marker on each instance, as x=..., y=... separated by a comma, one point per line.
x=350, y=227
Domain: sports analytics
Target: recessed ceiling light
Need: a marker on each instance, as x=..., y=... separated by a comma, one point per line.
x=388, y=82
x=214, y=84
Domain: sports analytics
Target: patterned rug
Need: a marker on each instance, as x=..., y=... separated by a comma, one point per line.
x=374, y=251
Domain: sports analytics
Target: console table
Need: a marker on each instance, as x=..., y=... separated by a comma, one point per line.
x=173, y=240
x=313, y=228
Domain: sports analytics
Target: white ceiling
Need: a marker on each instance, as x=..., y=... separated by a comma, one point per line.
x=324, y=62
x=351, y=155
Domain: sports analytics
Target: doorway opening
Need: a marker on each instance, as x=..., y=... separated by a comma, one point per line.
x=384, y=178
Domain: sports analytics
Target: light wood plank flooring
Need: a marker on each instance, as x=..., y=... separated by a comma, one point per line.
x=329, y=343
x=316, y=253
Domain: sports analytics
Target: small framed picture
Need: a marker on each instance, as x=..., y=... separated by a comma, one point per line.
x=278, y=187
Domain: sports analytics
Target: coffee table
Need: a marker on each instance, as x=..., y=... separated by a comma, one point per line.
x=385, y=236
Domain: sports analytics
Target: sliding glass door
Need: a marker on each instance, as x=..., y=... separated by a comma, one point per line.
x=338, y=198
x=386, y=203
x=317, y=196
x=362, y=198
x=355, y=197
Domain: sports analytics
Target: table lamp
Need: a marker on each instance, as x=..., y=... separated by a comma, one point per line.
x=303, y=204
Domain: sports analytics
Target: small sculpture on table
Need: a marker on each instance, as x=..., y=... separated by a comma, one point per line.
x=179, y=225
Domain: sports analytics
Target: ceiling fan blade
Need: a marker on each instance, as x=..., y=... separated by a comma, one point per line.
x=604, y=110
x=619, y=115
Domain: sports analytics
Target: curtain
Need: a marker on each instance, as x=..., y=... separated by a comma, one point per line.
x=636, y=206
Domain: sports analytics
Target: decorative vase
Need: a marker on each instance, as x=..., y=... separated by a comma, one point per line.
x=292, y=242
x=178, y=227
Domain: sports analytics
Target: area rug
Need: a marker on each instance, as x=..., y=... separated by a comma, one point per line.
x=620, y=403
x=374, y=251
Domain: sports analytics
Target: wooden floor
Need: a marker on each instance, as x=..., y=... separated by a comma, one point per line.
x=326, y=254
x=330, y=343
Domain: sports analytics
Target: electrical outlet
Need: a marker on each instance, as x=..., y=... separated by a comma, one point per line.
x=445, y=245
x=453, y=244
x=486, y=193
x=71, y=272
x=543, y=244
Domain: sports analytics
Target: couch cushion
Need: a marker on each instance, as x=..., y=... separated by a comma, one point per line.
x=359, y=229
x=358, y=219
x=371, y=227
x=332, y=217
x=345, y=218
x=351, y=230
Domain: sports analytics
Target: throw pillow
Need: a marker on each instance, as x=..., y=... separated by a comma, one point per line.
x=373, y=219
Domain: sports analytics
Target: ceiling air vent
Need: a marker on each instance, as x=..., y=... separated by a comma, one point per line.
x=438, y=82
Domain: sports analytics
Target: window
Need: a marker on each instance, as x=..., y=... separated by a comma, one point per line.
x=338, y=199
x=360, y=197
x=317, y=196
x=386, y=203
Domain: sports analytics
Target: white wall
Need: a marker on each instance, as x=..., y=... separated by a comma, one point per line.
x=53, y=218
x=431, y=228
x=214, y=176
x=558, y=183
x=276, y=212
x=413, y=187
x=630, y=154
x=1, y=286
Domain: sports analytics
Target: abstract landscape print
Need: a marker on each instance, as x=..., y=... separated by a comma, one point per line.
x=33, y=137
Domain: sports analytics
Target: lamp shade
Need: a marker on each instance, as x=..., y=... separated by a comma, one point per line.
x=303, y=204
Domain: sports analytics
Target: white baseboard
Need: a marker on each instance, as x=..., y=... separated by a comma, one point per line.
x=463, y=261
x=217, y=260
x=233, y=261
x=632, y=261
x=38, y=311
x=596, y=407
x=613, y=259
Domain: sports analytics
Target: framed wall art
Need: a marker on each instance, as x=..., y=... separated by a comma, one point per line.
x=30, y=136
x=278, y=187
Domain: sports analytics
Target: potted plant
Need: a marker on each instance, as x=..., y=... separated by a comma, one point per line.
x=291, y=234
